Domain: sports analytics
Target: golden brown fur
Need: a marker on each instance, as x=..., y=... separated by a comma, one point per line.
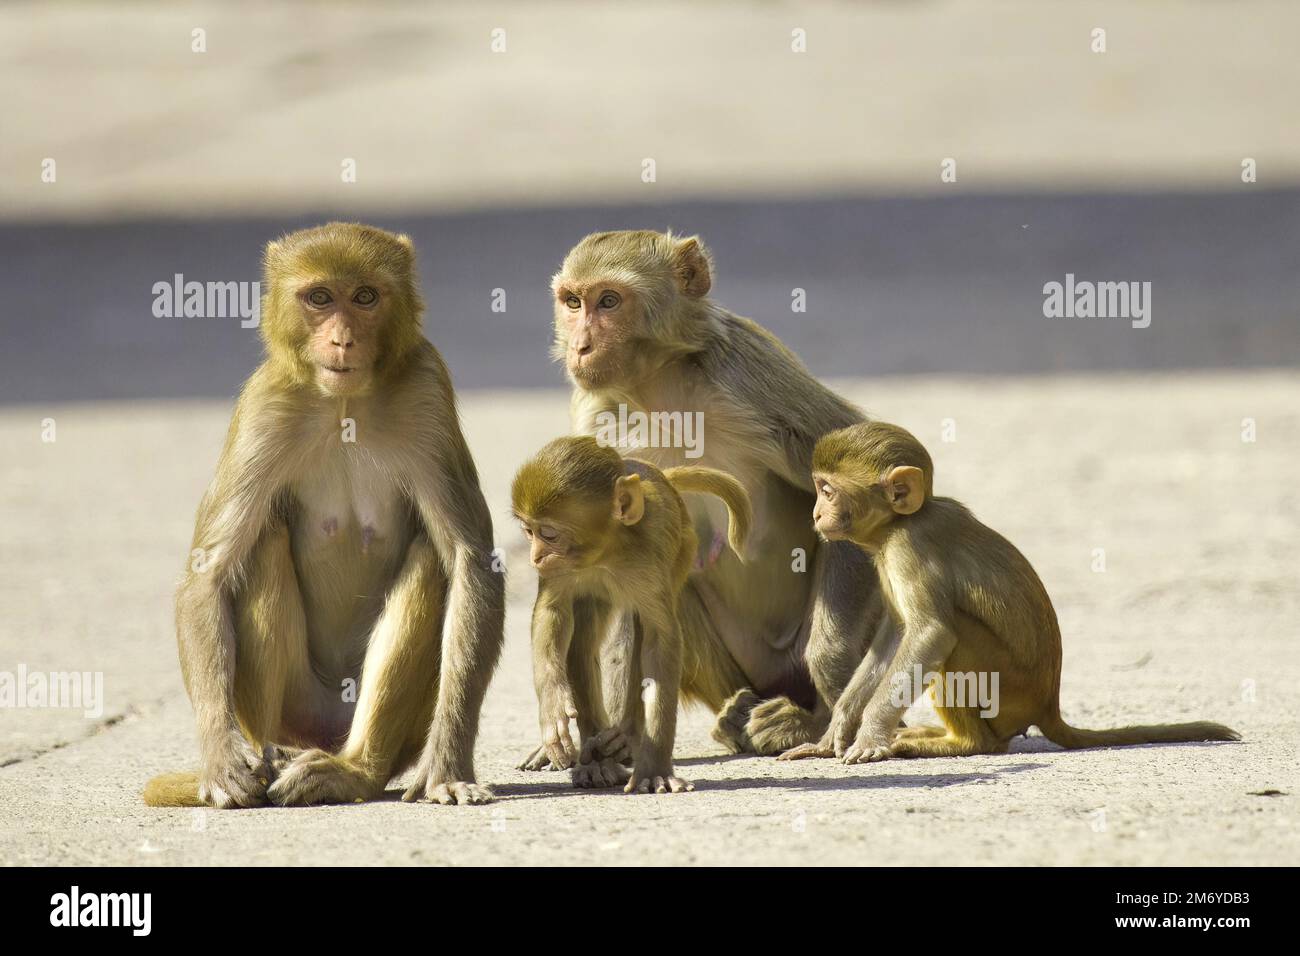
x=966, y=601
x=344, y=541
x=611, y=536
x=635, y=327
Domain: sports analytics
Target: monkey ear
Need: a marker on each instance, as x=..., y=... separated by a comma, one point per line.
x=692, y=267
x=905, y=487
x=629, y=499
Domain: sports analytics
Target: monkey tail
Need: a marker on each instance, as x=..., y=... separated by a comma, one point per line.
x=173, y=790
x=1073, y=738
x=710, y=481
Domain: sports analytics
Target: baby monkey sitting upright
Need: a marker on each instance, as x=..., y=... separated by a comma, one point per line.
x=967, y=604
x=612, y=536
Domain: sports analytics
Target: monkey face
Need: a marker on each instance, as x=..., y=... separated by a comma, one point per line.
x=554, y=548
x=845, y=512
x=596, y=324
x=832, y=516
x=343, y=321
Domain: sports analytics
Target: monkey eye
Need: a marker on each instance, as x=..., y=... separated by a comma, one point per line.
x=573, y=303
x=365, y=296
x=523, y=526
x=319, y=297
x=827, y=490
x=548, y=533
x=609, y=300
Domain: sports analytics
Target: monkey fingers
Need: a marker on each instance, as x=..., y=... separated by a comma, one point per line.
x=867, y=750
x=238, y=777
x=460, y=793
x=537, y=760
x=804, y=751
x=613, y=743
x=658, y=784
x=599, y=774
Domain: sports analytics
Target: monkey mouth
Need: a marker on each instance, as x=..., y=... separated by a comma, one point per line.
x=338, y=369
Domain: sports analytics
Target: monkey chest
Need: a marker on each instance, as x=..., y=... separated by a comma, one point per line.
x=345, y=502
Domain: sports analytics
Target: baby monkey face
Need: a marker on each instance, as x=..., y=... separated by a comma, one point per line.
x=562, y=543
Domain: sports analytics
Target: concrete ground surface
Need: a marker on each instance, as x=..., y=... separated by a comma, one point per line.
x=1194, y=616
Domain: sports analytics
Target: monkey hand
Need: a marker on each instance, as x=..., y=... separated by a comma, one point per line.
x=871, y=745
x=537, y=759
x=613, y=743
x=598, y=774
x=435, y=782
x=554, y=715
x=661, y=782
x=234, y=774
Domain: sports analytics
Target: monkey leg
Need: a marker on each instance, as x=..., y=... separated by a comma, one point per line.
x=270, y=638
x=920, y=733
x=966, y=733
x=399, y=684
x=604, y=747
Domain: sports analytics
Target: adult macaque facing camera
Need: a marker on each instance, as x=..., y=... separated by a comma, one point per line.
x=966, y=602
x=344, y=540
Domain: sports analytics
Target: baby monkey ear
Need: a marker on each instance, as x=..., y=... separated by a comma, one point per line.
x=629, y=499
x=905, y=487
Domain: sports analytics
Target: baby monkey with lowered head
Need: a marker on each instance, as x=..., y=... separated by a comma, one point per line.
x=612, y=536
x=966, y=602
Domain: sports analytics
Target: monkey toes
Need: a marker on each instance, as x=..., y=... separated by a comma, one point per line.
x=779, y=724
x=732, y=718
x=315, y=776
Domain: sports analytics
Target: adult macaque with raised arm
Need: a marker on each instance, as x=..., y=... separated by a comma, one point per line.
x=610, y=536
x=343, y=541
x=635, y=327
x=966, y=601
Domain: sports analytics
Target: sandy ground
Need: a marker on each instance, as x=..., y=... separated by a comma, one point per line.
x=1194, y=616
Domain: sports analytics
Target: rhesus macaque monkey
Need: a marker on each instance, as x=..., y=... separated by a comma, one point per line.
x=635, y=328
x=966, y=602
x=344, y=540
x=612, y=536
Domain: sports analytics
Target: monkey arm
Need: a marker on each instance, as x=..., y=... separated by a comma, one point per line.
x=455, y=515
x=924, y=648
x=230, y=521
x=552, y=634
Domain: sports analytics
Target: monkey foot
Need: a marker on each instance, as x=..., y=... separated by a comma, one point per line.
x=665, y=783
x=315, y=776
x=599, y=774
x=779, y=724
x=732, y=718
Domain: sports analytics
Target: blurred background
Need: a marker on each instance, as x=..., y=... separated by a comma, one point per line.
x=1146, y=472
x=498, y=134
